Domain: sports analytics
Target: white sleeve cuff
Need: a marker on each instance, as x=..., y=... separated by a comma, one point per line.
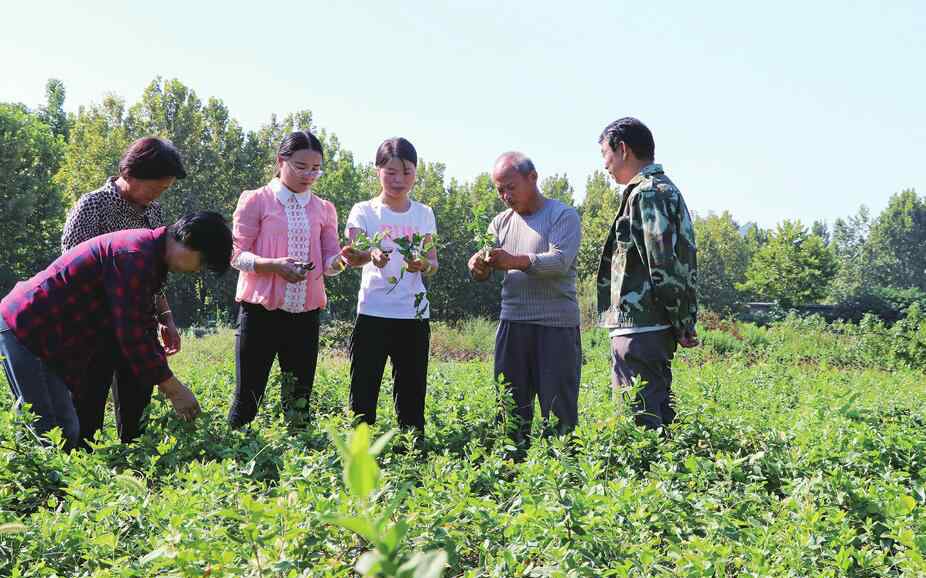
x=245, y=262
x=334, y=265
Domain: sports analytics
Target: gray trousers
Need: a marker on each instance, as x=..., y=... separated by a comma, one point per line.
x=649, y=356
x=540, y=361
x=33, y=382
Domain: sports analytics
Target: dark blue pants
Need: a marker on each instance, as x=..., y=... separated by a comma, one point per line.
x=33, y=382
x=544, y=362
x=649, y=357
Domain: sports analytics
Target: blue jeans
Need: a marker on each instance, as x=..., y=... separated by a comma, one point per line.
x=33, y=382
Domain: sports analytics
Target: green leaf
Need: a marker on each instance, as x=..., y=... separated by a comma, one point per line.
x=162, y=552
x=380, y=443
x=108, y=540
x=394, y=536
x=361, y=475
x=132, y=483
x=360, y=526
x=12, y=528
x=359, y=440
x=429, y=564
x=369, y=563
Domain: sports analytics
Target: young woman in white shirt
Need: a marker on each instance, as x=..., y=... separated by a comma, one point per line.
x=389, y=324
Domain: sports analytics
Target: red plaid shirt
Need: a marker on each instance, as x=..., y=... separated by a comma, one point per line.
x=101, y=287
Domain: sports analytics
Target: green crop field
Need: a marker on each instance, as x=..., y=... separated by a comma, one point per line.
x=800, y=450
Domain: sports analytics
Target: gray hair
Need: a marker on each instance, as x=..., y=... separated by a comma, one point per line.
x=521, y=162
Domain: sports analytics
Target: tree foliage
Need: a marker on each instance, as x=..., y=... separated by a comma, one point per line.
x=49, y=158
x=597, y=212
x=794, y=267
x=896, y=246
x=558, y=187
x=724, y=254
x=31, y=211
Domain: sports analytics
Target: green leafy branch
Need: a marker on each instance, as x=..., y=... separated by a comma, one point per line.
x=411, y=248
x=362, y=242
x=362, y=475
x=478, y=226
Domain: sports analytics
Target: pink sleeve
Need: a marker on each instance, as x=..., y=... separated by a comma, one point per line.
x=330, y=239
x=245, y=223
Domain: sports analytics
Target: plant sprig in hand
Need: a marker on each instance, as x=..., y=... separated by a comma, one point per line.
x=411, y=248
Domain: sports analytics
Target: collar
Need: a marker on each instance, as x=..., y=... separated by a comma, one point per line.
x=116, y=194
x=647, y=171
x=283, y=193
x=160, y=250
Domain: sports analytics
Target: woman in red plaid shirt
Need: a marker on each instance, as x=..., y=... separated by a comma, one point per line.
x=102, y=291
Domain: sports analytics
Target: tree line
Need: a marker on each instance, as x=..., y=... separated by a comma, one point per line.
x=48, y=158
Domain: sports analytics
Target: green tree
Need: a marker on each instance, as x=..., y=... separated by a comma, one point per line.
x=724, y=254
x=53, y=113
x=597, y=211
x=794, y=267
x=822, y=230
x=97, y=139
x=558, y=187
x=896, y=247
x=452, y=293
x=31, y=212
x=849, y=245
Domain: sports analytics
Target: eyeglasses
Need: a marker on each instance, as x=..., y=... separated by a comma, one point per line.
x=309, y=173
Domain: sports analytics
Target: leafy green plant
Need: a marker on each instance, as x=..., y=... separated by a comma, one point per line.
x=364, y=243
x=478, y=226
x=361, y=476
x=411, y=248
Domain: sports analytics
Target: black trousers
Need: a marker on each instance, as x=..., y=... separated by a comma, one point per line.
x=108, y=370
x=263, y=335
x=406, y=342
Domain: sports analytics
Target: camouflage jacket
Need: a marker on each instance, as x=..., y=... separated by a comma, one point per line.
x=648, y=270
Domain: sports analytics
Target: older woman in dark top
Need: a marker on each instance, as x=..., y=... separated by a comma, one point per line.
x=127, y=201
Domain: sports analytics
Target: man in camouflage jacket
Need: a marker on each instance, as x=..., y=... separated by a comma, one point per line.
x=647, y=297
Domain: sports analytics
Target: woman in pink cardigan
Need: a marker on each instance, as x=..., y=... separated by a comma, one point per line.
x=285, y=242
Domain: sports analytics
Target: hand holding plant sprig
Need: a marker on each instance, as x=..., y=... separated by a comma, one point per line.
x=478, y=225
x=415, y=250
x=362, y=249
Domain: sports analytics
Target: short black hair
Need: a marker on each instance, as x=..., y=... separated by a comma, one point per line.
x=151, y=158
x=634, y=134
x=297, y=141
x=208, y=233
x=396, y=147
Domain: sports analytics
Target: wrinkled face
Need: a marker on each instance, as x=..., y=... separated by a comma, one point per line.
x=517, y=191
x=143, y=191
x=614, y=161
x=300, y=170
x=397, y=177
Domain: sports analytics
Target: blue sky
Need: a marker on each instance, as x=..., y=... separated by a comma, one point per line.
x=771, y=111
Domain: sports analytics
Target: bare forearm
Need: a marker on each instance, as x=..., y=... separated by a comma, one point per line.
x=170, y=386
x=265, y=265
